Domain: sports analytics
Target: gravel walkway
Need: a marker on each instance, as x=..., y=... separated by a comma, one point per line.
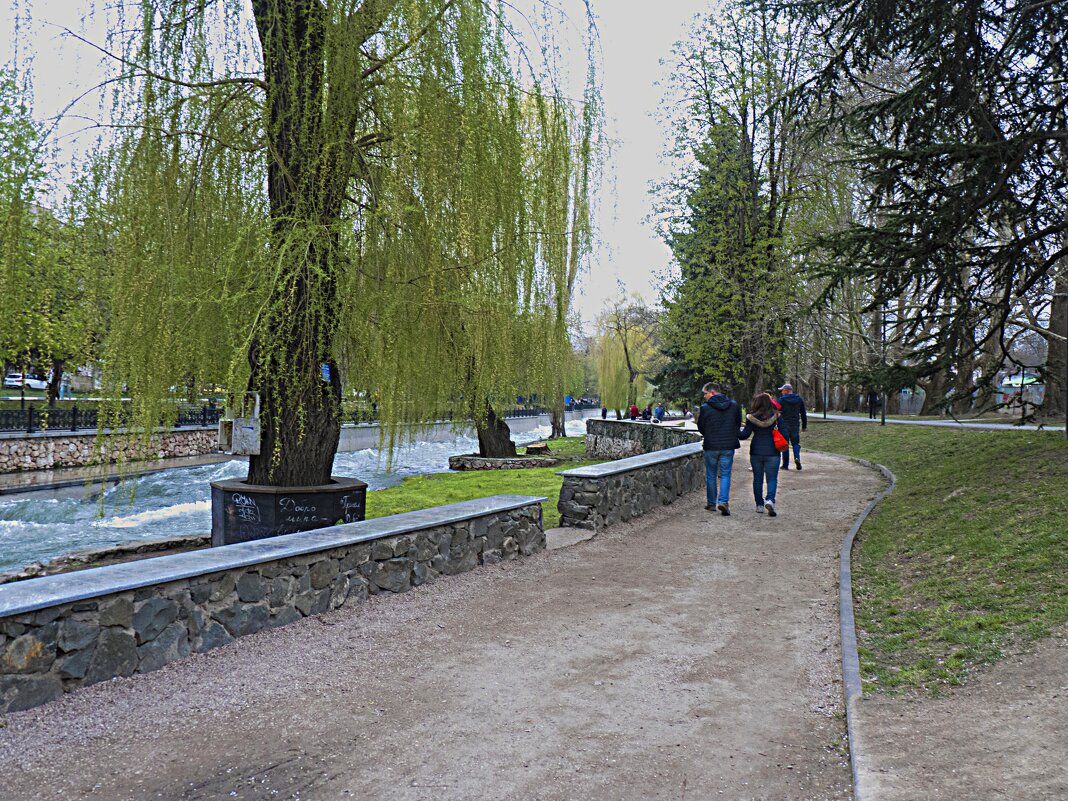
x=683, y=656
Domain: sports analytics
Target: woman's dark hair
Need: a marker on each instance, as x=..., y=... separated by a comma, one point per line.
x=761, y=406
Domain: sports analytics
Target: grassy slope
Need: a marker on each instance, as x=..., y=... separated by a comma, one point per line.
x=419, y=492
x=968, y=556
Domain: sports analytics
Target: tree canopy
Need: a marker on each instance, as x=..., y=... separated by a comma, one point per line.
x=392, y=190
x=956, y=117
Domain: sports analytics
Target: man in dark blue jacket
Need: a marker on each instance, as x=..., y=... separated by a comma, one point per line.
x=719, y=420
x=793, y=414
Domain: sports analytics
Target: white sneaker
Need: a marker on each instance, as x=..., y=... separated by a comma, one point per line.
x=770, y=506
x=760, y=509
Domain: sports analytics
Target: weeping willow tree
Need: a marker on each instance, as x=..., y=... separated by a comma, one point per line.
x=367, y=188
x=48, y=317
x=613, y=378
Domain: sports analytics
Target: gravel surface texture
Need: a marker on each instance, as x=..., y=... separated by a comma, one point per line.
x=682, y=656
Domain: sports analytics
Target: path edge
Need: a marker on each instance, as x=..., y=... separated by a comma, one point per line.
x=848, y=629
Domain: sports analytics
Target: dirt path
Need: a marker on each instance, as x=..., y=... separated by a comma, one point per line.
x=685, y=656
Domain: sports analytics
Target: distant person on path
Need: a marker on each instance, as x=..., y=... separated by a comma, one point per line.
x=796, y=419
x=718, y=421
x=874, y=402
x=633, y=411
x=659, y=412
x=761, y=421
x=647, y=412
x=604, y=412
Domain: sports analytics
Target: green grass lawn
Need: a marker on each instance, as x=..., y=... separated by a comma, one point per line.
x=436, y=489
x=966, y=559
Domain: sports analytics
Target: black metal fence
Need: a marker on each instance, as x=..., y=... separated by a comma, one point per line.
x=72, y=418
x=370, y=415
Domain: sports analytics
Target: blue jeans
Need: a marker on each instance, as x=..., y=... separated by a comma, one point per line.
x=795, y=441
x=764, y=467
x=721, y=461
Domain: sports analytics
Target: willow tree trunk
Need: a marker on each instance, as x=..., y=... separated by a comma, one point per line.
x=310, y=161
x=495, y=438
x=558, y=419
x=54, y=382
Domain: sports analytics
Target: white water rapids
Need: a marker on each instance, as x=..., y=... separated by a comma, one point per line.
x=178, y=501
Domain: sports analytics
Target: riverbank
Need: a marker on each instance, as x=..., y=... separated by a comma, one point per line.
x=409, y=494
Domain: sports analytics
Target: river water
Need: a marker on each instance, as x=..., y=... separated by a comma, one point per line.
x=178, y=501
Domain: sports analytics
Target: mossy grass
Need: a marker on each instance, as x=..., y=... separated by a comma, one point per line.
x=966, y=560
x=436, y=489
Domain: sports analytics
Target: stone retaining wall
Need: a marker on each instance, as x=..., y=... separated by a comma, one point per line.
x=601, y=495
x=56, y=635
x=618, y=439
x=45, y=451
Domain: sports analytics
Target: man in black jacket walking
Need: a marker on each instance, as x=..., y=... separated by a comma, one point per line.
x=719, y=421
x=796, y=419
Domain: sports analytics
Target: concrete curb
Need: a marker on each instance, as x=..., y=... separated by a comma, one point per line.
x=848, y=628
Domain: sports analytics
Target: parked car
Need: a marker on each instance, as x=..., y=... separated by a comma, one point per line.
x=18, y=380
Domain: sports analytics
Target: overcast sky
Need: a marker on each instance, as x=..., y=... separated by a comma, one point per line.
x=634, y=36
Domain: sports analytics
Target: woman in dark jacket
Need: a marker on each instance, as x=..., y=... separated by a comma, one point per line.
x=763, y=418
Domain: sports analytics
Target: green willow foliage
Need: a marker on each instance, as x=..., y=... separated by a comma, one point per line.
x=49, y=314
x=365, y=184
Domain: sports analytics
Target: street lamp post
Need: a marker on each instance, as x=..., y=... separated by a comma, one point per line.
x=826, y=387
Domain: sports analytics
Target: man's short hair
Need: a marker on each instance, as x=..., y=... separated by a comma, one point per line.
x=710, y=387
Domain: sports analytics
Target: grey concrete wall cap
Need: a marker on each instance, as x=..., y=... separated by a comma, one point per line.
x=633, y=462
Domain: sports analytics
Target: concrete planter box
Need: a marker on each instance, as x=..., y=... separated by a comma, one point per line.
x=242, y=512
